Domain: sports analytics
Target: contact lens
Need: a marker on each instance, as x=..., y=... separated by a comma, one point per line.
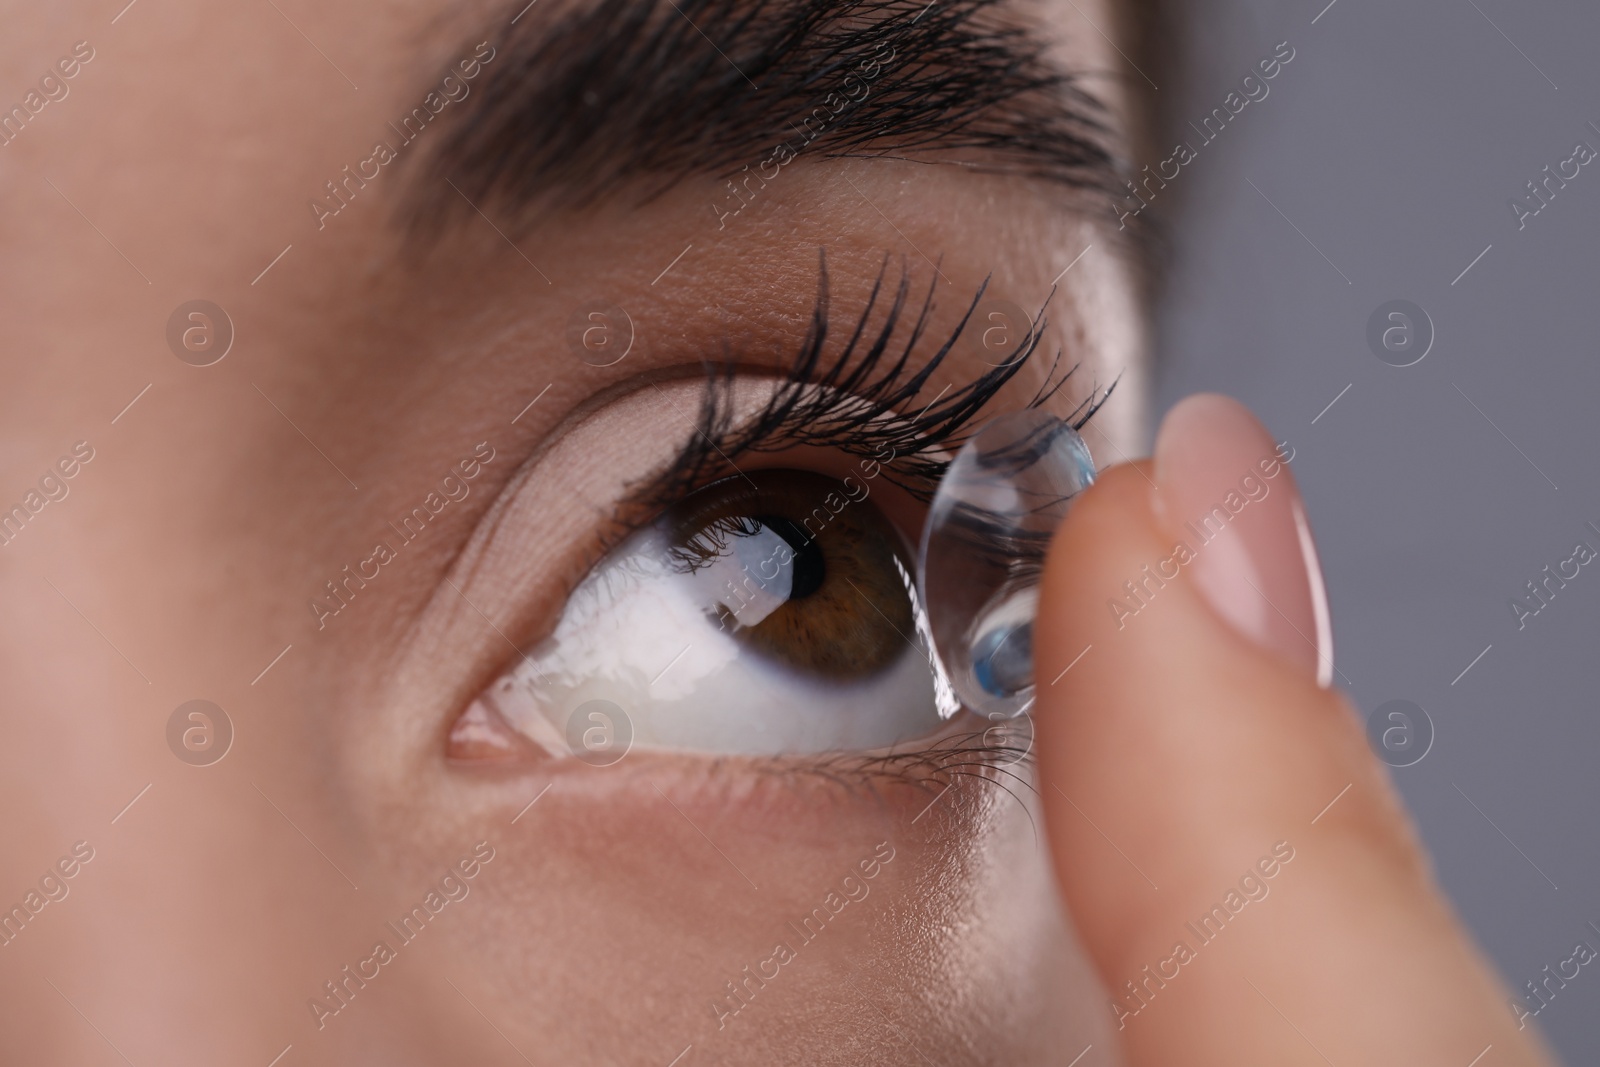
x=983, y=549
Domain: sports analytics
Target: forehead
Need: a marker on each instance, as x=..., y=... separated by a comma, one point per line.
x=591, y=97
x=291, y=81
x=273, y=156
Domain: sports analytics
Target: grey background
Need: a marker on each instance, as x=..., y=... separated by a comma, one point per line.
x=1394, y=141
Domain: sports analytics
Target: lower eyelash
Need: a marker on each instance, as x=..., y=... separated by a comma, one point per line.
x=853, y=402
x=933, y=767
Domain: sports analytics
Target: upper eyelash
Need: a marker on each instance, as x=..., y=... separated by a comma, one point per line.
x=853, y=402
x=848, y=404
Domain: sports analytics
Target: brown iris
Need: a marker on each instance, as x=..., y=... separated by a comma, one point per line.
x=800, y=567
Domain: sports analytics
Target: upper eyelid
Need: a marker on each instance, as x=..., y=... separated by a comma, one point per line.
x=853, y=400
x=659, y=484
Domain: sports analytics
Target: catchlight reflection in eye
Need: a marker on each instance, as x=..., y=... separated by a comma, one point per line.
x=769, y=613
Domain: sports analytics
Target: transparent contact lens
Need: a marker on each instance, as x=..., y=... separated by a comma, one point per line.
x=983, y=549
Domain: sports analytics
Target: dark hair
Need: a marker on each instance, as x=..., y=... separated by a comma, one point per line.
x=1148, y=31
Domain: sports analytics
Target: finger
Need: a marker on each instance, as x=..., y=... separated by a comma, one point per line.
x=1242, y=873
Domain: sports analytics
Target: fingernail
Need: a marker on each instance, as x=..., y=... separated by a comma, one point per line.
x=1225, y=491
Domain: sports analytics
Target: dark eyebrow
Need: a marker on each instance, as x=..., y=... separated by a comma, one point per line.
x=621, y=97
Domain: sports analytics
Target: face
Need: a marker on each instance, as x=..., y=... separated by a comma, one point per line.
x=532, y=506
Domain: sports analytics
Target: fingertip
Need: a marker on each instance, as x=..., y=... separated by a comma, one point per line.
x=1176, y=750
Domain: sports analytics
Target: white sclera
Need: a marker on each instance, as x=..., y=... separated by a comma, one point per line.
x=983, y=549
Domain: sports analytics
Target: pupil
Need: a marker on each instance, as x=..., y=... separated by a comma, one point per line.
x=835, y=603
x=807, y=569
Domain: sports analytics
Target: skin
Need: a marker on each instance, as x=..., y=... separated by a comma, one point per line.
x=1345, y=953
x=614, y=911
x=607, y=924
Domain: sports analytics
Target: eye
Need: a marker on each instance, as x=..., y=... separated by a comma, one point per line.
x=796, y=575
x=765, y=613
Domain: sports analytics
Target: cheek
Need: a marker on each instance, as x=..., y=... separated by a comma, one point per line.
x=708, y=886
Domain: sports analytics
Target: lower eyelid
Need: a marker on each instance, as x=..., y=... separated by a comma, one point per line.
x=962, y=767
x=970, y=748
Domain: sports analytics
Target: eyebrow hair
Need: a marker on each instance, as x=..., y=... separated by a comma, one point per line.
x=592, y=101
